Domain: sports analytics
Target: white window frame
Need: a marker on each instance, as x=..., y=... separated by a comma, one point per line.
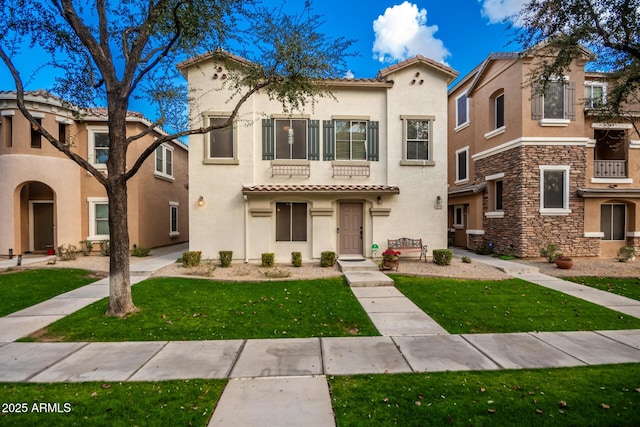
x=93, y=201
x=492, y=181
x=460, y=180
x=545, y=121
x=430, y=154
x=91, y=132
x=174, y=206
x=456, y=209
x=588, y=101
x=163, y=172
x=566, y=182
x=460, y=126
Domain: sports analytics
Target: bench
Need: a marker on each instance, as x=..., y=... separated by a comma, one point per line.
x=404, y=244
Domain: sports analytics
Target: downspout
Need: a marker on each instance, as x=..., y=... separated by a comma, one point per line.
x=246, y=229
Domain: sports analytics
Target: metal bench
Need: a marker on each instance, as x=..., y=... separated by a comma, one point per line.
x=405, y=243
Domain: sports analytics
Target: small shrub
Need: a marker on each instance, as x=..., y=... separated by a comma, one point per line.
x=85, y=247
x=67, y=253
x=626, y=253
x=225, y=258
x=105, y=248
x=507, y=257
x=268, y=259
x=442, y=256
x=466, y=260
x=484, y=249
x=140, y=251
x=296, y=259
x=327, y=259
x=276, y=273
x=191, y=259
x=551, y=252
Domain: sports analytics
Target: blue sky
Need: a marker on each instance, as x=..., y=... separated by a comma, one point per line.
x=459, y=33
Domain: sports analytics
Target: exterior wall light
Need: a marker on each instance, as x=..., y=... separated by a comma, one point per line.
x=379, y=200
x=201, y=202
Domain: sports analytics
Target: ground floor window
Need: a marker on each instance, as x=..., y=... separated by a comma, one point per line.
x=98, y=218
x=173, y=219
x=291, y=222
x=613, y=221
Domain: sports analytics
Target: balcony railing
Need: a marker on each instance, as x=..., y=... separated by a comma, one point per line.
x=610, y=168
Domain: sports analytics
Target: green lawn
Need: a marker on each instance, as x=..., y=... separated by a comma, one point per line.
x=585, y=396
x=176, y=403
x=473, y=306
x=23, y=289
x=197, y=309
x=626, y=286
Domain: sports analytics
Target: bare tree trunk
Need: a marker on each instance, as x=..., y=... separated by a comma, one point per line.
x=120, y=301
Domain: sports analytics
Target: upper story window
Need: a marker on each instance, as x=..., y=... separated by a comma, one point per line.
x=417, y=140
x=164, y=161
x=554, y=190
x=556, y=106
x=351, y=139
x=36, y=138
x=291, y=138
x=462, y=110
x=418, y=133
x=6, y=130
x=594, y=94
x=462, y=165
x=220, y=144
x=98, y=145
x=498, y=109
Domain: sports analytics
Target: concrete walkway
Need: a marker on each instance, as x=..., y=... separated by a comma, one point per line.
x=282, y=381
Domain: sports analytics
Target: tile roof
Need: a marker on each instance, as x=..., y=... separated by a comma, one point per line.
x=320, y=188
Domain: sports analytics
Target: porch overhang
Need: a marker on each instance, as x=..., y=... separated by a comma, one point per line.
x=467, y=190
x=249, y=190
x=609, y=192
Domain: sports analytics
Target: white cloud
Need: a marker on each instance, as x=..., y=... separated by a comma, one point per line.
x=499, y=10
x=349, y=75
x=402, y=32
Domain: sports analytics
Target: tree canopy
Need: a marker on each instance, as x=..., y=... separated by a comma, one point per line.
x=110, y=52
x=609, y=28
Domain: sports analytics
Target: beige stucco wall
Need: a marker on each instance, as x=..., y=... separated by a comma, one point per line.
x=72, y=186
x=229, y=222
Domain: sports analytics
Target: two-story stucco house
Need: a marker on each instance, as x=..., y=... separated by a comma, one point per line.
x=47, y=200
x=355, y=170
x=528, y=168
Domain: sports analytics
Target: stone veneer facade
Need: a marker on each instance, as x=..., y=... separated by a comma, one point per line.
x=523, y=226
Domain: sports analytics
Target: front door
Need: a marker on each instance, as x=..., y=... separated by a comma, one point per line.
x=350, y=228
x=42, y=226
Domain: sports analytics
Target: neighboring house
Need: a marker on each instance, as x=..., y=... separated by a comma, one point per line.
x=346, y=174
x=47, y=200
x=528, y=168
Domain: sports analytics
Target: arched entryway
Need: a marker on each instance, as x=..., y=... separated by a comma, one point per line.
x=36, y=219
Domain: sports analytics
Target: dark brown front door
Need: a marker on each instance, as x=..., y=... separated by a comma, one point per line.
x=351, y=228
x=42, y=226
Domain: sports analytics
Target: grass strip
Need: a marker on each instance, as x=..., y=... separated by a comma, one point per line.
x=178, y=403
x=197, y=309
x=584, y=396
x=22, y=289
x=513, y=305
x=625, y=286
